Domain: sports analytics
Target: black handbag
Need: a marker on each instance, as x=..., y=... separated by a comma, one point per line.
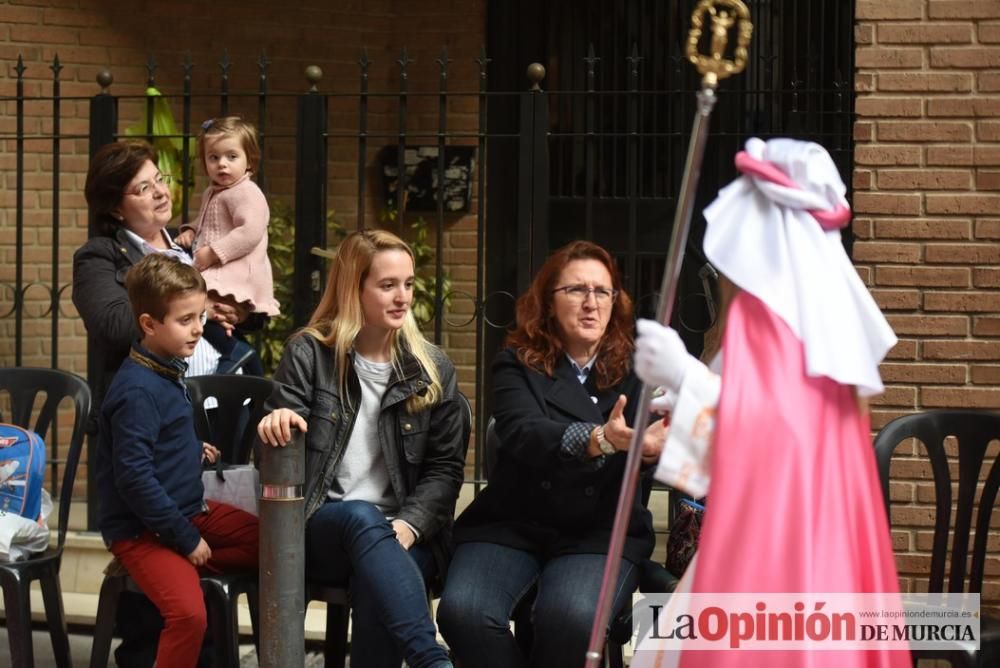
x=682, y=540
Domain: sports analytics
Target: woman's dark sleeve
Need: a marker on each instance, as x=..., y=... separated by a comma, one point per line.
x=293, y=385
x=294, y=378
x=432, y=502
x=101, y=298
x=526, y=431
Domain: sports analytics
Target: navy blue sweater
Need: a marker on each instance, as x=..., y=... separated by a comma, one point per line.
x=148, y=457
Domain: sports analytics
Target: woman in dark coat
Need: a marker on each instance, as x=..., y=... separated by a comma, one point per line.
x=563, y=397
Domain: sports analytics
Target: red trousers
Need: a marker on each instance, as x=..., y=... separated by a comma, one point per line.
x=172, y=582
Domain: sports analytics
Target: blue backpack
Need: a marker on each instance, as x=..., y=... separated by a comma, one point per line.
x=22, y=471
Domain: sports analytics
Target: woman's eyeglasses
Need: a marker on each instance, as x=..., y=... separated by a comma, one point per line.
x=579, y=293
x=147, y=188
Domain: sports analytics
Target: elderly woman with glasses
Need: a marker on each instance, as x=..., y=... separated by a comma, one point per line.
x=564, y=397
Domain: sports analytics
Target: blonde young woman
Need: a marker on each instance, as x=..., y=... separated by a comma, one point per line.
x=384, y=453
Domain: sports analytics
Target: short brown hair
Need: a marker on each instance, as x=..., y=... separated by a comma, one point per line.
x=537, y=340
x=111, y=170
x=158, y=279
x=231, y=126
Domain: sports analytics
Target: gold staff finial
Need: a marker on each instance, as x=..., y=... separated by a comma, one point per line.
x=723, y=15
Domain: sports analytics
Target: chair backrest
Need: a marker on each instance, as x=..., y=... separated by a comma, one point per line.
x=232, y=425
x=466, y=422
x=491, y=448
x=24, y=385
x=973, y=430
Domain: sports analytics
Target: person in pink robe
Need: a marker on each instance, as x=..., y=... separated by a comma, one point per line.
x=775, y=431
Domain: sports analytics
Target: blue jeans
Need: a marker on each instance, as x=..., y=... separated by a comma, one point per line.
x=485, y=584
x=352, y=542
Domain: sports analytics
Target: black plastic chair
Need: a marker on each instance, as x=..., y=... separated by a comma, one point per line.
x=973, y=430
x=338, y=599
x=24, y=386
x=230, y=426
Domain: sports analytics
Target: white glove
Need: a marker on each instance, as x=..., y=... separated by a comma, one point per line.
x=660, y=355
x=663, y=401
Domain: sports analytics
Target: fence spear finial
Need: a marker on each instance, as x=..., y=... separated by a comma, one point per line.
x=151, y=71
x=443, y=60
x=404, y=62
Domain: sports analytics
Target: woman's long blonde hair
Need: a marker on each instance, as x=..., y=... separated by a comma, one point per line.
x=338, y=318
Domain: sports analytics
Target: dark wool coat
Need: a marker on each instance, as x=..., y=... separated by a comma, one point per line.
x=538, y=499
x=99, y=268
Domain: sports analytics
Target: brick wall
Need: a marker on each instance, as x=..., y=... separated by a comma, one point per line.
x=90, y=35
x=928, y=219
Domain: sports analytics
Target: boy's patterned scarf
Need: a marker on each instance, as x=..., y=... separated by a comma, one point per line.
x=173, y=369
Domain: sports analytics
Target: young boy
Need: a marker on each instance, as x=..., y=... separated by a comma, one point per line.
x=151, y=510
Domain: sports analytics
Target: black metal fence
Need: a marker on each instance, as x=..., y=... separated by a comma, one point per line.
x=583, y=154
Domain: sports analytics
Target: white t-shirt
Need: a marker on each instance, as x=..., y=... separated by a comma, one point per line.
x=362, y=473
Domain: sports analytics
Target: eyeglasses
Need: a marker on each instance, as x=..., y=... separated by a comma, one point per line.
x=579, y=293
x=147, y=188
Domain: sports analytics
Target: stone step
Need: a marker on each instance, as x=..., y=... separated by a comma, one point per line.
x=81, y=611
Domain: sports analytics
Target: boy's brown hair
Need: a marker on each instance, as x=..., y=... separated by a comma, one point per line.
x=230, y=126
x=158, y=279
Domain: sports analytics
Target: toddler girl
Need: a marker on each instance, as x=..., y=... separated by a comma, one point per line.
x=228, y=239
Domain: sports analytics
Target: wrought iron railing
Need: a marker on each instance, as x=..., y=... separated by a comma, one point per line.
x=592, y=162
